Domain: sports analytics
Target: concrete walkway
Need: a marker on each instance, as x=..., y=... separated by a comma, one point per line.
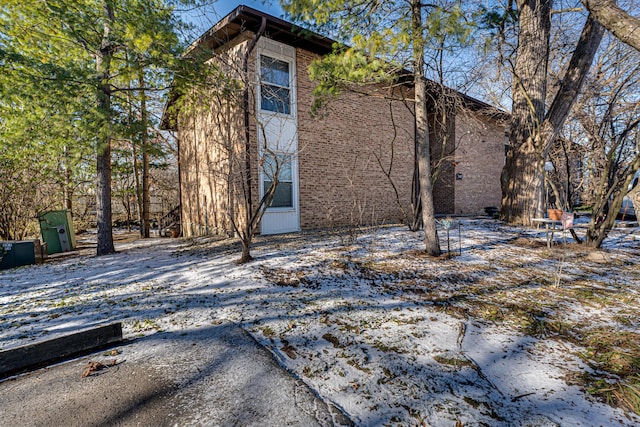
x=213, y=376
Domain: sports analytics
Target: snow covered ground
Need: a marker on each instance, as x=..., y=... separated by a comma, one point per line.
x=495, y=335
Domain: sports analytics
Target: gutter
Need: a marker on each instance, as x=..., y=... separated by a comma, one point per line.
x=247, y=130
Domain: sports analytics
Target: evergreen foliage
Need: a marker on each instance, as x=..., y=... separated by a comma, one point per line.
x=70, y=86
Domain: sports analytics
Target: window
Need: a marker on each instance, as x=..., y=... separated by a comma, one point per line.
x=275, y=93
x=283, y=197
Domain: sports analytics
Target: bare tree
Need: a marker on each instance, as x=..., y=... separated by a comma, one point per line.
x=220, y=113
x=24, y=193
x=599, y=151
x=610, y=117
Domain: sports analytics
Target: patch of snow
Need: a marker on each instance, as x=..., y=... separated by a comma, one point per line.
x=363, y=321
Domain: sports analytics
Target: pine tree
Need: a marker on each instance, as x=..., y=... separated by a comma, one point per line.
x=72, y=59
x=385, y=39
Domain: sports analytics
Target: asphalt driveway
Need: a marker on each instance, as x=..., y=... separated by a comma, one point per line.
x=212, y=376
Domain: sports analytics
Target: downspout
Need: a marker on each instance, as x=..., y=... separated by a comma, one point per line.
x=247, y=129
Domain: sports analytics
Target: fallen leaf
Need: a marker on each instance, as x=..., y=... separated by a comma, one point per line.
x=91, y=368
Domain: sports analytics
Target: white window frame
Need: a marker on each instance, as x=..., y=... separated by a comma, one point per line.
x=290, y=88
x=265, y=178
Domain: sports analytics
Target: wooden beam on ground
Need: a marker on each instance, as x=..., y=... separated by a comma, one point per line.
x=39, y=354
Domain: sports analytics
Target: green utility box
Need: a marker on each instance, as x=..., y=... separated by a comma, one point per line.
x=14, y=253
x=57, y=231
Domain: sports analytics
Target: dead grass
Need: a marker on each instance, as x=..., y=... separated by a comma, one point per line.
x=452, y=361
x=569, y=293
x=528, y=243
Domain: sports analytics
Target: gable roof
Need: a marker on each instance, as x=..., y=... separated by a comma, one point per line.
x=244, y=18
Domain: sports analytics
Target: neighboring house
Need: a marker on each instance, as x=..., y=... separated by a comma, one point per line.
x=351, y=164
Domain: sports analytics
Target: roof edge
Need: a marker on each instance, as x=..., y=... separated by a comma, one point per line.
x=245, y=18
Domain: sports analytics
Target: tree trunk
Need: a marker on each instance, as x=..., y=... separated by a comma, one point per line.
x=416, y=204
x=521, y=180
x=246, y=247
x=103, y=199
x=432, y=243
x=533, y=132
x=136, y=175
x=522, y=185
x=103, y=164
x=599, y=229
x=67, y=191
x=571, y=84
x=146, y=200
x=620, y=23
x=127, y=207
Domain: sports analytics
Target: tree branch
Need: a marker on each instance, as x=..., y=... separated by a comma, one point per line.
x=621, y=24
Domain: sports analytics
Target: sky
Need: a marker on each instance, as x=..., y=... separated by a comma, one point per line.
x=204, y=18
x=271, y=7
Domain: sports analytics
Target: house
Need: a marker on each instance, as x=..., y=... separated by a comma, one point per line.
x=351, y=164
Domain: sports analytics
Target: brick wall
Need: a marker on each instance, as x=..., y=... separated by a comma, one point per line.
x=341, y=151
x=211, y=152
x=442, y=146
x=344, y=155
x=479, y=158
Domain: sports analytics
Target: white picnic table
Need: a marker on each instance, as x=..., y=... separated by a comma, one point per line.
x=566, y=222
